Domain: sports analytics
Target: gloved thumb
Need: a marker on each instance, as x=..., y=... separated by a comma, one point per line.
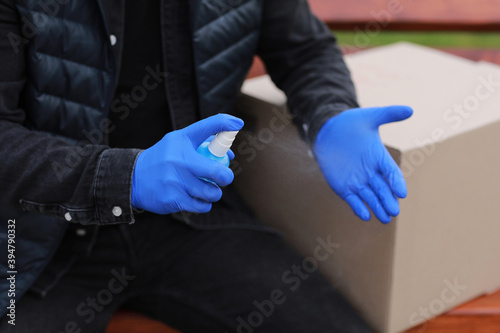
x=389, y=114
x=201, y=130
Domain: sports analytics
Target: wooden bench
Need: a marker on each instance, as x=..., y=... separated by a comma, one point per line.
x=130, y=322
x=482, y=315
x=416, y=15
x=411, y=15
x=421, y=15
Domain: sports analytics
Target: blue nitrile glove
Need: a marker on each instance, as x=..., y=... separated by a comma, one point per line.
x=166, y=176
x=357, y=165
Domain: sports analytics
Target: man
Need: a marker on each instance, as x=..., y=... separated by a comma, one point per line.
x=110, y=212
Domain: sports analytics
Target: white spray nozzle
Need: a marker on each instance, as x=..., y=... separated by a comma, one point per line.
x=222, y=142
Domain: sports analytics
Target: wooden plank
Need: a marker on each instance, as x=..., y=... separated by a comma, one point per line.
x=460, y=324
x=490, y=55
x=466, y=15
x=478, y=316
x=485, y=306
x=127, y=321
x=257, y=69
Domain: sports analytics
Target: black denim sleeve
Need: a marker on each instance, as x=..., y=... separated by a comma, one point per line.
x=302, y=57
x=88, y=184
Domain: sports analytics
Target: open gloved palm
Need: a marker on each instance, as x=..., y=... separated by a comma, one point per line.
x=357, y=165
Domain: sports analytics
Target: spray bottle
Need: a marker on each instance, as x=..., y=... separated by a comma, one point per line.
x=217, y=148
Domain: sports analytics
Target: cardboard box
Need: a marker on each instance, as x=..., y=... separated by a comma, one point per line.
x=444, y=247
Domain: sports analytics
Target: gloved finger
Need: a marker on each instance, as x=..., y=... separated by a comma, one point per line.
x=230, y=154
x=358, y=206
x=197, y=206
x=201, y=130
x=373, y=202
x=383, y=191
x=205, y=191
x=391, y=171
x=391, y=114
x=202, y=167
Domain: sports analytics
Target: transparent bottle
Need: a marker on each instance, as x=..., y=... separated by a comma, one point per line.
x=216, y=148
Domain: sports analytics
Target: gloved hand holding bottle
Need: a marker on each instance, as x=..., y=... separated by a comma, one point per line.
x=167, y=176
x=357, y=165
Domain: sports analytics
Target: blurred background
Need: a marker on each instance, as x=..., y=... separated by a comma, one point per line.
x=469, y=28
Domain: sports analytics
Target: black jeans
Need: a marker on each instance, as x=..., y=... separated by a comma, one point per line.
x=231, y=280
